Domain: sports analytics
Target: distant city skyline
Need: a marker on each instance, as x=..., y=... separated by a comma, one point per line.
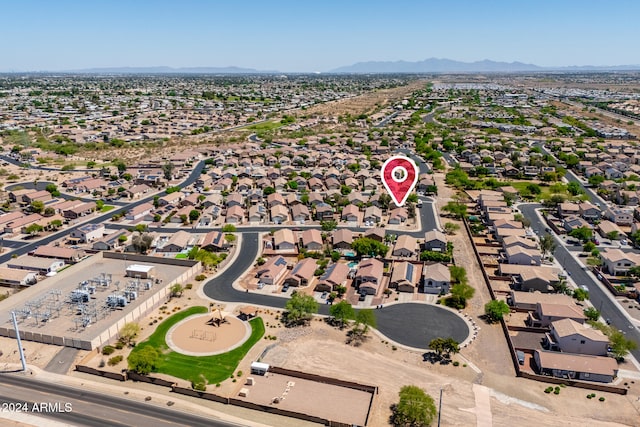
x=294, y=36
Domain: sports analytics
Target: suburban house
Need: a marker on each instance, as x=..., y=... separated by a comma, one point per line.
x=617, y=262
x=279, y=214
x=373, y=214
x=17, y=277
x=435, y=240
x=576, y=366
x=284, y=240
x=398, y=216
x=406, y=246
x=87, y=233
x=436, y=278
x=272, y=271
x=589, y=212
x=368, y=278
x=68, y=255
x=178, y=242
x=111, y=241
x=312, y=240
x=546, y=313
x=529, y=300
x=350, y=213
x=567, y=209
x=324, y=211
x=41, y=266
x=171, y=199
x=510, y=241
x=335, y=275
x=569, y=336
x=619, y=216
x=405, y=276
x=573, y=222
x=235, y=215
x=516, y=254
x=609, y=229
x=376, y=234
x=300, y=213
x=139, y=211
x=342, y=238
x=80, y=210
x=302, y=273
x=214, y=241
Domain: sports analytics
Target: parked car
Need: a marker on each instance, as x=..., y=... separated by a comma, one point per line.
x=285, y=288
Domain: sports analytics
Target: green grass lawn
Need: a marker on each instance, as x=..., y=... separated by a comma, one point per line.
x=182, y=256
x=214, y=368
x=266, y=126
x=546, y=193
x=106, y=208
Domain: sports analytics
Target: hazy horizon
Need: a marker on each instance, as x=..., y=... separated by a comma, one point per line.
x=306, y=37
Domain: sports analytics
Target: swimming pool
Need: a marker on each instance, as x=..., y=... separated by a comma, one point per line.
x=349, y=254
x=352, y=265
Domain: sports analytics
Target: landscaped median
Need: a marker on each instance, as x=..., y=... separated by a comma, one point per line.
x=212, y=369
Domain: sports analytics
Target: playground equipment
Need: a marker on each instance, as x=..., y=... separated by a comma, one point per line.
x=217, y=321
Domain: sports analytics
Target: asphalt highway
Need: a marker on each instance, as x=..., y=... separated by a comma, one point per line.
x=87, y=408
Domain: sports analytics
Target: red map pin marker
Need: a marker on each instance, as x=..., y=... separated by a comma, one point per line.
x=399, y=176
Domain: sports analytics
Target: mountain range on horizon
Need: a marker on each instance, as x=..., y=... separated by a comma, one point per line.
x=427, y=66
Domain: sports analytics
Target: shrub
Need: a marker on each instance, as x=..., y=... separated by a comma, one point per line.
x=200, y=386
x=548, y=390
x=200, y=277
x=119, y=345
x=239, y=373
x=456, y=363
x=107, y=350
x=601, y=399
x=115, y=360
x=188, y=286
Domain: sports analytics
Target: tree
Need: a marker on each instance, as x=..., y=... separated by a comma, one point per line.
x=53, y=189
x=143, y=360
x=634, y=271
x=596, y=180
x=621, y=345
x=495, y=310
x=458, y=274
x=574, y=188
x=368, y=246
x=167, y=170
x=451, y=228
x=582, y=233
x=592, y=314
x=49, y=211
x=194, y=215
x=547, y=244
x=142, y=242
x=534, y=189
x=230, y=238
x=299, y=308
x=580, y=294
x=268, y=190
x=612, y=235
x=460, y=293
x=55, y=224
x=229, y=228
x=342, y=312
x=37, y=206
x=328, y=225
x=414, y=409
x=129, y=332
x=588, y=247
x=366, y=318
x=444, y=346
x=99, y=204
x=521, y=218
x=176, y=290
x=33, y=229
x=455, y=209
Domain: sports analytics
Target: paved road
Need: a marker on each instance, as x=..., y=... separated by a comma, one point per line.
x=42, y=185
x=598, y=294
x=96, y=409
x=61, y=362
x=384, y=121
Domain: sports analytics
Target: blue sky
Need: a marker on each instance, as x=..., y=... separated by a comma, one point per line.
x=306, y=36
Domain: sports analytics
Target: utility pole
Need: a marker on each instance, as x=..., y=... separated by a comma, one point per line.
x=440, y=407
x=15, y=326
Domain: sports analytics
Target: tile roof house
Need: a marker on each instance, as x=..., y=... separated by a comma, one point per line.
x=302, y=273
x=405, y=276
x=342, y=238
x=436, y=278
x=335, y=275
x=368, y=278
x=569, y=336
x=576, y=366
x=312, y=240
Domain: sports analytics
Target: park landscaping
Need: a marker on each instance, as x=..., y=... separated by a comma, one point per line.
x=212, y=369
